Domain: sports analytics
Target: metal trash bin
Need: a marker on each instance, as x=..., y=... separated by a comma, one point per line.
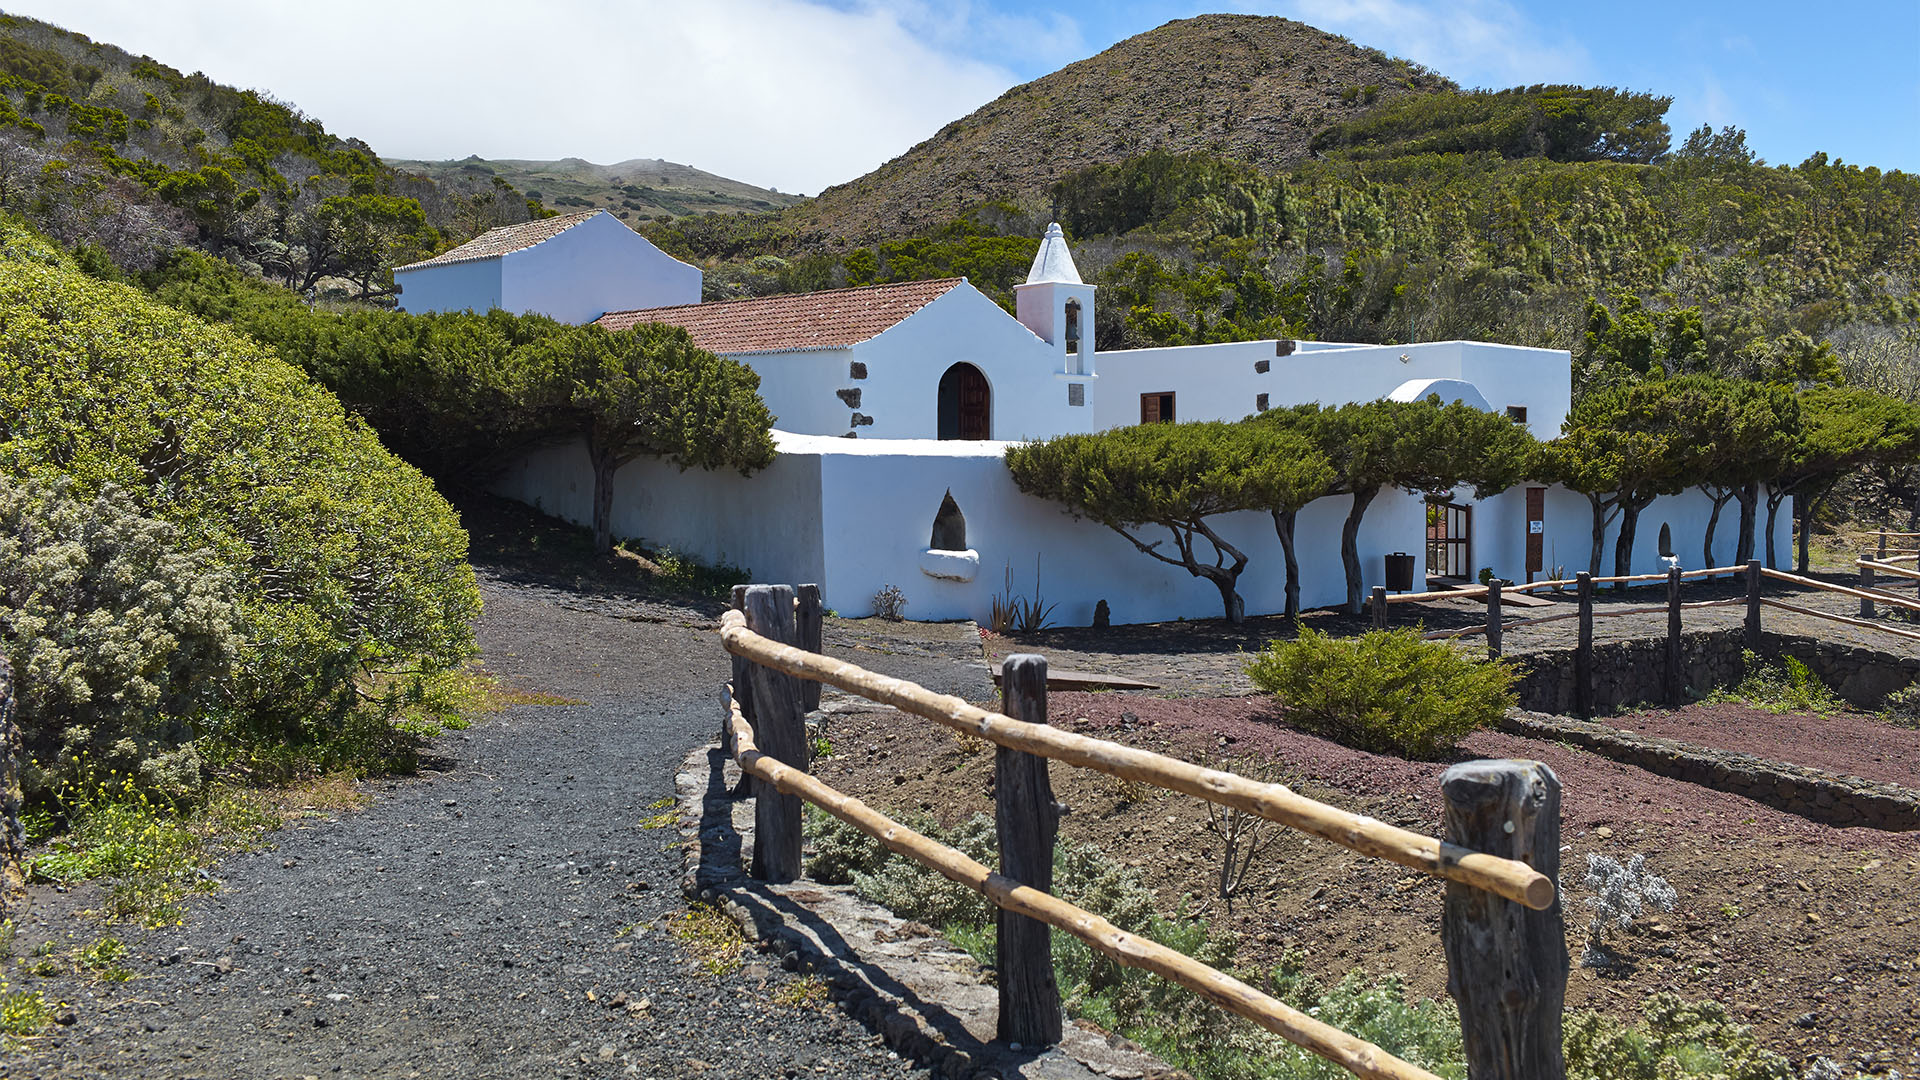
x=1399, y=572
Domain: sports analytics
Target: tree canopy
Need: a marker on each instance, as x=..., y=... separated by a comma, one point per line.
x=1175, y=477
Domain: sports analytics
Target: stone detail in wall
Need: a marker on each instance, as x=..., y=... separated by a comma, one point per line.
x=1815, y=794
x=862, y=420
x=851, y=396
x=1102, y=616
x=1261, y=367
x=949, y=526
x=856, y=370
x=1632, y=672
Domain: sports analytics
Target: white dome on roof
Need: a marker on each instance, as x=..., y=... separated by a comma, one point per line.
x=1450, y=390
x=1053, y=262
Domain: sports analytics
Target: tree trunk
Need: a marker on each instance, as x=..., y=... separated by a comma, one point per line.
x=1599, y=533
x=1713, y=522
x=1749, y=511
x=1774, y=499
x=1350, y=547
x=1811, y=508
x=1283, y=522
x=1623, y=544
x=604, y=466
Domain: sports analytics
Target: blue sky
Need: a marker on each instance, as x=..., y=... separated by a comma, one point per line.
x=798, y=94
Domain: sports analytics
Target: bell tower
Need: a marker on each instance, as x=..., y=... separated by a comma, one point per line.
x=1056, y=305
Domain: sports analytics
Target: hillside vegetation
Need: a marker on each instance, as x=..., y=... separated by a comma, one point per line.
x=1254, y=88
x=643, y=189
x=123, y=158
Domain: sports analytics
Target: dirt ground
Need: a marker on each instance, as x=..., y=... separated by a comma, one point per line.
x=1809, y=933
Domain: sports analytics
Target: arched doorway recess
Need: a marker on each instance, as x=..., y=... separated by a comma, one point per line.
x=966, y=404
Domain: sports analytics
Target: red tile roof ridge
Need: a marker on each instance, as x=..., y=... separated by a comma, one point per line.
x=792, y=322
x=505, y=240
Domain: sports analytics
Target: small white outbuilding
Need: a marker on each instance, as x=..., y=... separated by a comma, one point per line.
x=573, y=268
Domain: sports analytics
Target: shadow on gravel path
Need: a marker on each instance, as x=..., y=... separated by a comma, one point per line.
x=457, y=926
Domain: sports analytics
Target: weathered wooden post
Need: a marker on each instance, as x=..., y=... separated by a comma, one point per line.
x=782, y=733
x=1494, y=626
x=1506, y=963
x=1379, y=607
x=1027, y=820
x=13, y=841
x=1676, y=678
x=1866, y=584
x=1583, y=653
x=742, y=693
x=1753, y=605
x=809, y=617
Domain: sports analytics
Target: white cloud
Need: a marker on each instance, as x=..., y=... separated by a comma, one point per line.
x=1033, y=39
x=1477, y=42
x=781, y=93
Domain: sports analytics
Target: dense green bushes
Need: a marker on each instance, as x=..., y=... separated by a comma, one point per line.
x=351, y=595
x=1384, y=691
x=118, y=633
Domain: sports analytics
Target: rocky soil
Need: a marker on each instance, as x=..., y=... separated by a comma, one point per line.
x=1809, y=933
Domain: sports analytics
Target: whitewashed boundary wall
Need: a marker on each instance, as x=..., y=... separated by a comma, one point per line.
x=1225, y=381
x=855, y=515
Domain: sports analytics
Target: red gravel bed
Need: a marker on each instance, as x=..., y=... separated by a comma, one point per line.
x=1852, y=743
x=1595, y=792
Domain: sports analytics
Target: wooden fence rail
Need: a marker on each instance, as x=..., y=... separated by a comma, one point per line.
x=1502, y=925
x=1496, y=624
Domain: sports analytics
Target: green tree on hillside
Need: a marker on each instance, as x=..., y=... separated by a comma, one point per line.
x=1747, y=430
x=1622, y=447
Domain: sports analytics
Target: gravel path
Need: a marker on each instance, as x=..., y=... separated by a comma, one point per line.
x=457, y=926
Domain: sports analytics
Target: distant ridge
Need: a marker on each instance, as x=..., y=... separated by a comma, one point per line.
x=636, y=190
x=1257, y=88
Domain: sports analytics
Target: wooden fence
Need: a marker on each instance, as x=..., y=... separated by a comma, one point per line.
x=1502, y=926
x=1755, y=574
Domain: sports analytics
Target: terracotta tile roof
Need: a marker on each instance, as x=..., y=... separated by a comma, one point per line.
x=833, y=319
x=505, y=240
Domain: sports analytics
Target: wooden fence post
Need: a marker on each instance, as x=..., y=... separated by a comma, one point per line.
x=1866, y=584
x=1583, y=653
x=1753, y=605
x=1379, y=607
x=1676, y=680
x=782, y=733
x=742, y=693
x=809, y=617
x=1027, y=821
x=1506, y=963
x=1494, y=626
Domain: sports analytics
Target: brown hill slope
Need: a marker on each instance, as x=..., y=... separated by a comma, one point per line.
x=1253, y=87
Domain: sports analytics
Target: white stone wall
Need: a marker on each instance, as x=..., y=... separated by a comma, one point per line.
x=464, y=286
x=595, y=267
x=901, y=392
x=1222, y=382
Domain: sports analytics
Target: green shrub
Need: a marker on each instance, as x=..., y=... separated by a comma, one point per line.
x=1676, y=1040
x=1789, y=686
x=1384, y=691
x=118, y=633
x=349, y=574
x=1903, y=707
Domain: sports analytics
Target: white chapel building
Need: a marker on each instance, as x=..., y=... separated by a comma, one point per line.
x=886, y=397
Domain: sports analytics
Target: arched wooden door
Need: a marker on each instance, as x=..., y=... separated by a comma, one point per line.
x=966, y=404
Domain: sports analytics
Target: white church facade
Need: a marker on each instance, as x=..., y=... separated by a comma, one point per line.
x=887, y=397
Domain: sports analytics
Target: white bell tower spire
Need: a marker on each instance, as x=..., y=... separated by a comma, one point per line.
x=1056, y=305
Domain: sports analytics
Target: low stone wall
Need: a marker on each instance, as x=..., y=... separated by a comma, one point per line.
x=1633, y=672
x=1827, y=797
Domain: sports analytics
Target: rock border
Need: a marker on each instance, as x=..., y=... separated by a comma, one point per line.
x=1830, y=798
x=879, y=968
